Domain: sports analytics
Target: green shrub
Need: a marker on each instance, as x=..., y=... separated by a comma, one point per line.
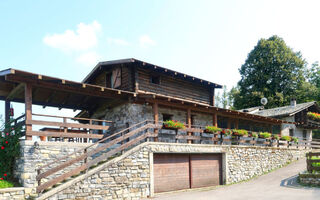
x=285, y=138
x=239, y=132
x=6, y=184
x=9, y=150
x=173, y=124
x=254, y=135
x=212, y=129
x=265, y=135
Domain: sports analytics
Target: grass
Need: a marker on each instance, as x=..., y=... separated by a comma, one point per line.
x=6, y=184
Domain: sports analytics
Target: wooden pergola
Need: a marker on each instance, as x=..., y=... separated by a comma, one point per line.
x=31, y=88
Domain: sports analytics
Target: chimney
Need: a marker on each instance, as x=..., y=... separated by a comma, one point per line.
x=293, y=102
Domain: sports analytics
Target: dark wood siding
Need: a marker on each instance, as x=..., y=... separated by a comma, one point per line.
x=174, y=87
x=126, y=78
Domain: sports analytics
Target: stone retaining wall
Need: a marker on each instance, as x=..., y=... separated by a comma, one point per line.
x=18, y=193
x=309, y=179
x=131, y=175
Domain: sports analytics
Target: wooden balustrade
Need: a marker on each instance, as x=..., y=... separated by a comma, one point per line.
x=312, y=159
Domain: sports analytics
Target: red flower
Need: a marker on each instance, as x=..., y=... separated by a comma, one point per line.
x=2, y=147
x=7, y=133
x=1, y=178
x=7, y=142
x=4, y=174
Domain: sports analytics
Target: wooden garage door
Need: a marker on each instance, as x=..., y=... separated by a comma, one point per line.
x=171, y=172
x=205, y=170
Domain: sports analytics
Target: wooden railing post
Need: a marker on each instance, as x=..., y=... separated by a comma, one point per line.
x=189, y=121
x=38, y=172
x=28, y=108
x=156, y=120
x=65, y=128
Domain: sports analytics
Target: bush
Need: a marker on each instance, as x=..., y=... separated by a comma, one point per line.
x=239, y=132
x=212, y=129
x=174, y=124
x=254, y=135
x=6, y=184
x=9, y=150
x=285, y=138
x=265, y=135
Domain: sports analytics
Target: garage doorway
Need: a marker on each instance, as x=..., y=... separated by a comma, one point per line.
x=184, y=171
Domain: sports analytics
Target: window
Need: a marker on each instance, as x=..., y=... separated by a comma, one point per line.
x=304, y=134
x=291, y=132
x=166, y=117
x=155, y=79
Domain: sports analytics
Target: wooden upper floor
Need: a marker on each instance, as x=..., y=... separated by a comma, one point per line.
x=141, y=77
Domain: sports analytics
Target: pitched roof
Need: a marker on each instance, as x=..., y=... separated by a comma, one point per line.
x=285, y=110
x=101, y=65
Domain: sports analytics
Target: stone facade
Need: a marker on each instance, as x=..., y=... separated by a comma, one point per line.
x=19, y=193
x=130, y=176
x=309, y=179
x=33, y=156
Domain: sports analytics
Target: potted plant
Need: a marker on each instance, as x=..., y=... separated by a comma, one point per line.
x=265, y=135
x=253, y=135
x=173, y=124
x=314, y=116
x=212, y=129
x=275, y=137
x=285, y=138
x=295, y=139
x=226, y=132
x=239, y=132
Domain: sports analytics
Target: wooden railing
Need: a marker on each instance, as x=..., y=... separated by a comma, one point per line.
x=313, y=158
x=68, y=130
x=81, y=160
x=87, y=157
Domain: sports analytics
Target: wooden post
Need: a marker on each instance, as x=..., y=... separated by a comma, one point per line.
x=156, y=119
x=7, y=111
x=65, y=128
x=28, y=108
x=189, y=124
x=215, y=123
x=236, y=124
x=229, y=124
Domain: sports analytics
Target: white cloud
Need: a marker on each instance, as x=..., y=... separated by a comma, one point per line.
x=89, y=59
x=117, y=41
x=85, y=37
x=146, y=41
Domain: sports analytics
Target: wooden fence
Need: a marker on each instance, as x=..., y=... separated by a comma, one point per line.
x=313, y=162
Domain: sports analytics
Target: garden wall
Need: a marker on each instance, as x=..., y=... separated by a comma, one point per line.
x=130, y=176
x=18, y=193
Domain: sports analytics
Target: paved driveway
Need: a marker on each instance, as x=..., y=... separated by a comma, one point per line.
x=279, y=185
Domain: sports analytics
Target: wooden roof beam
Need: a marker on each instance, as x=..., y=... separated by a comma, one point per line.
x=19, y=88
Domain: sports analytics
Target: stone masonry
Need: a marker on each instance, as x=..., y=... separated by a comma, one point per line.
x=130, y=176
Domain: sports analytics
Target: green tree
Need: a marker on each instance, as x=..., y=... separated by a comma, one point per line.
x=271, y=70
x=222, y=100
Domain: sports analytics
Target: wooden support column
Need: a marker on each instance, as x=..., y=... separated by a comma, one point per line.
x=236, y=124
x=156, y=119
x=215, y=123
x=189, y=121
x=229, y=124
x=7, y=111
x=28, y=107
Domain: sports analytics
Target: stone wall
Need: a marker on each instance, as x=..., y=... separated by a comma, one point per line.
x=18, y=193
x=32, y=157
x=130, y=176
x=298, y=132
x=309, y=179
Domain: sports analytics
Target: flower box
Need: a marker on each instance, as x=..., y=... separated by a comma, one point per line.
x=226, y=132
x=265, y=135
x=285, y=138
x=173, y=125
x=239, y=132
x=212, y=129
x=314, y=116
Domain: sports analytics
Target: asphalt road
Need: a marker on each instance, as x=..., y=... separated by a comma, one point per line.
x=279, y=185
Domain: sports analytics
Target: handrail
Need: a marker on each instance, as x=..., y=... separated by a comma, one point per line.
x=73, y=118
x=96, y=143
x=86, y=154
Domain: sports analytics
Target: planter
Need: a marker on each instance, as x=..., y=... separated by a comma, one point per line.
x=170, y=128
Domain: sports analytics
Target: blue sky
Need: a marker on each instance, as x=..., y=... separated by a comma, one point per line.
x=206, y=39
